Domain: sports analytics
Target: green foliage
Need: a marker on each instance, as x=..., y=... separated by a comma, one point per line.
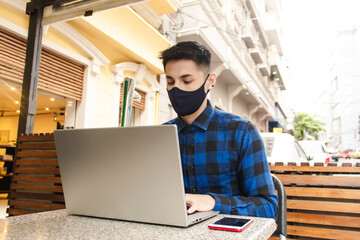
x=306, y=125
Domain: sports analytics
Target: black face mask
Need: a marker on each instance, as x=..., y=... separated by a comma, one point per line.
x=187, y=102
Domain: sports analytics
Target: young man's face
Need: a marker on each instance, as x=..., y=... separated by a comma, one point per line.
x=185, y=74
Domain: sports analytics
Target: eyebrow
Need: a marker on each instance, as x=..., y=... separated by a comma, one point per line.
x=186, y=75
x=182, y=76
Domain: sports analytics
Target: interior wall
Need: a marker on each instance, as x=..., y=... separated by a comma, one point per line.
x=43, y=123
x=10, y=123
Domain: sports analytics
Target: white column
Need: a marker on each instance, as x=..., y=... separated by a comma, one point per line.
x=85, y=116
x=140, y=73
x=148, y=116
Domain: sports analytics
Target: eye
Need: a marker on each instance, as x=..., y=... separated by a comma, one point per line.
x=187, y=80
x=170, y=82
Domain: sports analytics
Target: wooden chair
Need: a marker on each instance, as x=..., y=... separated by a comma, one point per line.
x=36, y=183
x=323, y=202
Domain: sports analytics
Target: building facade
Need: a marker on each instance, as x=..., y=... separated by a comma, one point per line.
x=344, y=108
x=85, y=59
x=244, y=40
x=83, y=63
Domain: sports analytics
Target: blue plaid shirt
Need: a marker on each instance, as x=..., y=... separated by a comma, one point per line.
x=223, y=156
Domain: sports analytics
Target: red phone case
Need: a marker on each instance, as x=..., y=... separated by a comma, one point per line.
x=224, y=228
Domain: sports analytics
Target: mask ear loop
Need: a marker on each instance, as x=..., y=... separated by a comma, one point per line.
x=207, y=77
x=205, y=82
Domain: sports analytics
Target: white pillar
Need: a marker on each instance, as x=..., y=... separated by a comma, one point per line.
x=85, y=116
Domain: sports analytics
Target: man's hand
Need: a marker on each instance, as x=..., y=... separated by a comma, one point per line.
x=199, y=202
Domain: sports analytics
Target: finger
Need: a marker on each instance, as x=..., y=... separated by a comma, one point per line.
x=190, y=203
x=192, y=209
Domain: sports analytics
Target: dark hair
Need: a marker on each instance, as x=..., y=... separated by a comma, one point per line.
x=187, y=50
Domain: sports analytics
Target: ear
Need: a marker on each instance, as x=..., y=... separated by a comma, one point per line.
x=212, y=80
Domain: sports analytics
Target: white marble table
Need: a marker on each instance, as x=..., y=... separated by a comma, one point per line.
x=59, y=225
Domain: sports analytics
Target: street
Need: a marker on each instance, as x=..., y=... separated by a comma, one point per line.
x=353, y=161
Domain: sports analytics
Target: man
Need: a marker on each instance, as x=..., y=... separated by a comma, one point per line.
x=223, y=159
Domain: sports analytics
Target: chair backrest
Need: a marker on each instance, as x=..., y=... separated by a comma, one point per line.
x=323, y=201
x=281, y=216
x=36, y=183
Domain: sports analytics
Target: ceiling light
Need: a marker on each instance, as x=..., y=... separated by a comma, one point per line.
x=52, y=99
x=16, y=102
x=47, y=109
x=17, y=111
x=12, y=88
x=247, y=93
x=277, y=79
x=274, y=72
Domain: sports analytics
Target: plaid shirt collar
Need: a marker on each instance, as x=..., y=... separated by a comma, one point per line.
x=202, y=121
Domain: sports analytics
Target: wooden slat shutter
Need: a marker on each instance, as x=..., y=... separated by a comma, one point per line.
x=57, y=74
x=136, y=104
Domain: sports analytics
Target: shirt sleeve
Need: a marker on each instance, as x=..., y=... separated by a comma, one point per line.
x=258, y=196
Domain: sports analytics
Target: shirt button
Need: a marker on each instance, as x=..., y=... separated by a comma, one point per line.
x=194, y=190
x=190, y=149
x=191, y=171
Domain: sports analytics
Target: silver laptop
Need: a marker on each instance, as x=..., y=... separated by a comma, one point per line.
x=131, y=173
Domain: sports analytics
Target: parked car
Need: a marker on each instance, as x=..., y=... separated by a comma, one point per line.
x=355, y=153
x=282, y=147
x=344, y=153
x=333, y=153
x=316, y=151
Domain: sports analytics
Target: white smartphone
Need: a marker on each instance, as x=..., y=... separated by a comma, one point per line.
x=231, y=224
